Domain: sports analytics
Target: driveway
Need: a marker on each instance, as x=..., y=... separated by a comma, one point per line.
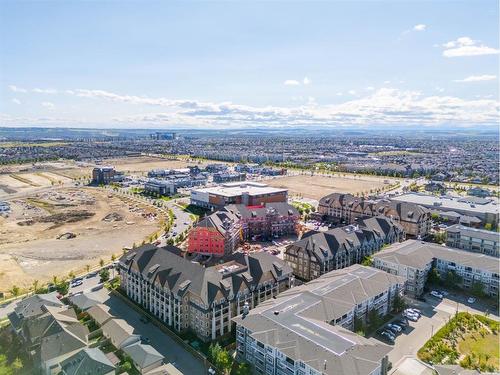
x=168, y=347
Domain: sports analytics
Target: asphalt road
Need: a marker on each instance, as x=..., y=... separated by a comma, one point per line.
x=168, y=347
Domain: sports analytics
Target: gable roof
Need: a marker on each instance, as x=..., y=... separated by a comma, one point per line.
x=88, y=361
x=143, y=355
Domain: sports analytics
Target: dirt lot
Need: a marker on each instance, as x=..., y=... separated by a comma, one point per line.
x=316, y=187
x=57, y=230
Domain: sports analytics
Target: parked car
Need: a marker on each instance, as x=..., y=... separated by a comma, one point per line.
x=145, y=319
x=411, y=316
x=471, y=300
x=436, y=294
x=414, y=311
x=388, y=336
x=402, y=323
x=394, y=327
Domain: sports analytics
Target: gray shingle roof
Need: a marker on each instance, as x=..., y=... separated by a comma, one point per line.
x=143, y=355
x=88, y=361
x=179, y=275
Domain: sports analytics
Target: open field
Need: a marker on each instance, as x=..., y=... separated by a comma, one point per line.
x=316, y=187
x=58, y=230
x=18, y=183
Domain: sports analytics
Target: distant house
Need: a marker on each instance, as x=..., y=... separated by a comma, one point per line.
x=471, y=239
x=32, y=307
x=479, y=192
x=100, y=313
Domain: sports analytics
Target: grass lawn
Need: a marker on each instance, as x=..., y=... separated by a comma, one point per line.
x=485, y=347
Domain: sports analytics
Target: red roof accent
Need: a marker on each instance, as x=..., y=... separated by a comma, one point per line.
x=258, y=206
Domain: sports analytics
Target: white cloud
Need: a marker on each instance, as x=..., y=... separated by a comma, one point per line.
x=17, y=89
x=48, y=105
x=481, y=78
x=465, y=46
x=44, y=91
x=419, y=27
x=340, y=93
x=369, y=88
x=16, y=101
x=291, y=82
x=351, y=92
x=386, y=106
x=306, y=81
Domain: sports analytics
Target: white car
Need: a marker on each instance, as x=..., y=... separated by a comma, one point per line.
x=414, y=311
x=471, y=300
x=436, y=294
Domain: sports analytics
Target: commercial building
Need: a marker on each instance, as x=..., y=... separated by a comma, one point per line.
x=246, y=193
x=415, y=219
x=414, y=259
x=485, y=209
x=317, y=253
x=303, y=331
x=222, y=232
x=186, y=295
x=471, y=239
x=160, y=187
x=105, y=175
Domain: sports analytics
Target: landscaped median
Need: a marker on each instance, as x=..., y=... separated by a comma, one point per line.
x=469, y=340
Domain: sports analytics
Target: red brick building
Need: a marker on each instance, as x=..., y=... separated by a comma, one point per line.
x=222, y=232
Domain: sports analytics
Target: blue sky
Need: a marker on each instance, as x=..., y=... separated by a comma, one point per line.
x=233, y=64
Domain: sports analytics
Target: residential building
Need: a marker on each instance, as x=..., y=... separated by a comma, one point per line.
x=31, y=307
x=221, y=177
x=485, y=209
x=186, y=295
x=52, y=337
x=317, y=253
x=119, y=333
x=217, y=234
x=105, y=175
x=415, y=219
x=302, y=331
x=100, y=314
x=479, y=192
x=160, y=187
x=246, y=193
x=145, y=357
x=414, y=259
x=88, y=361
x=222, y=232
x=472, y=239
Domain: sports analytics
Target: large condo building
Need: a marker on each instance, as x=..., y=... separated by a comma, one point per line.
x=485, y=210
x=246, y=193
x=186, y=295
x=477, y=240
x=415, y=220
x=221, y=232
x=305, y=330
x=414, y=259
x=317, y=253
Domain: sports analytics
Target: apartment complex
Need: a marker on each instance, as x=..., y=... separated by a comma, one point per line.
x=415, y=219
x=317, y=253
x=105, y=175
x=305, y=330
x=484, y=209
x=222, y=232
x=414, y=259
x=246, y=193
x=186, y=295
x=221, y=177
x=471, y=239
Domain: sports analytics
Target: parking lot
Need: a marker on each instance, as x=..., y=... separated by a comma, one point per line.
x=435, y=314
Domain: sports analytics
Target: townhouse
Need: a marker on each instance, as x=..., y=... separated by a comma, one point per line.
x=305, y=330
x=186, y=295
x=471, y=239
x=414, y=259
x=222, y=232
x=317, y=253
x=415, y=219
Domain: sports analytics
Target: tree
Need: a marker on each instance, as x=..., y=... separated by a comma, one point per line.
x=374, y=319
x=224, y=361
x=35, y=286
x=452, y=280
x=398, y=304
x=367, y=261
x=71, y=275
x=113, y=257
x=243, y=369
x=101, y=262
x=433, y=277
x=477, y=289
x=63, y=287
x=17, y=365
x=104, y=275
x=488, y=226
x=15, y=290
x=87, y=267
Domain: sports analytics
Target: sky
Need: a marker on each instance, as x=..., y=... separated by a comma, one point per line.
x=203, y=64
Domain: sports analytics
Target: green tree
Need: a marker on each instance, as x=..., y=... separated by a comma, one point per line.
x=367, y=261
x=17, y=365
x=104, y=275
x=113, y=257
x=398, y=304
x=101, y=262
x=224, y=361
x=71, y=275
x=477, y=289
x=243, y=369
x=35, y=286
x=15, y=290
x=433, y=278
x=63, y=287
x=452, y=280
x=374, y=319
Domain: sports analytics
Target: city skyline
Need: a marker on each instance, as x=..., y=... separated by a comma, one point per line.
x=234, y=65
